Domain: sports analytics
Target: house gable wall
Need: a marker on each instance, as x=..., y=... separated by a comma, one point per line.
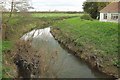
x=109, y=17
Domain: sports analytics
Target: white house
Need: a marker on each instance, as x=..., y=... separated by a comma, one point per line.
x=111, y=13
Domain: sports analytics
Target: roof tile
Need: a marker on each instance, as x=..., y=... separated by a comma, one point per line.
x=111, y=8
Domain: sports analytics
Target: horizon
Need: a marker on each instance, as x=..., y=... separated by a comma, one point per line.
x=57, y=5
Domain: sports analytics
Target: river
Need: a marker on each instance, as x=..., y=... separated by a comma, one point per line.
x=65, y=65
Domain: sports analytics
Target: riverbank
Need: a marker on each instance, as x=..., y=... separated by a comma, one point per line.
x=12, y=31
x=90, y=41
x=18, y=25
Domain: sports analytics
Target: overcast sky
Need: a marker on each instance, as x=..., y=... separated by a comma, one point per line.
x=61, y=5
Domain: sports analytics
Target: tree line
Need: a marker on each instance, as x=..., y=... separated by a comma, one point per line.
x=93, y=8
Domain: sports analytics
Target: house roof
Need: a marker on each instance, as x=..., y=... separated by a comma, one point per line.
x=111, y=8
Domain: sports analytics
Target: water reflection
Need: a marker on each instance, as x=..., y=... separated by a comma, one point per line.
x=65, y=65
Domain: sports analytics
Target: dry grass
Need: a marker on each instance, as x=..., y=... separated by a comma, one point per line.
x=41, y=61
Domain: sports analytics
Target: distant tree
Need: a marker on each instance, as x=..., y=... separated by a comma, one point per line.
x=93, y=8
x=101, y=5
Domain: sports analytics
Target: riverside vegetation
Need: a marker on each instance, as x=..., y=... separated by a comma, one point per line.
x=95, y=42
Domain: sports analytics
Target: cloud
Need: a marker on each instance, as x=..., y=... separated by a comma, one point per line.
x=61, y=5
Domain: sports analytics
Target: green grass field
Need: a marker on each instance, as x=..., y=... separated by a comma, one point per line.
x=103, y=36
x=55, y=15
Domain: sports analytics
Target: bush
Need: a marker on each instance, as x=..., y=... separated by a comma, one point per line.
x=86, y=17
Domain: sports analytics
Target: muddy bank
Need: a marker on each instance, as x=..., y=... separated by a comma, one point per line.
x=27, y=60
x=96, y=61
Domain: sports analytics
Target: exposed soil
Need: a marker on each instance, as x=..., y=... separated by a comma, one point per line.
x=97, y=62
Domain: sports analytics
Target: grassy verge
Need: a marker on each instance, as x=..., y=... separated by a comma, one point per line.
x=5, y=45
x=101, y=35
x=98, y=38
x=7, y=69
x=0, y=59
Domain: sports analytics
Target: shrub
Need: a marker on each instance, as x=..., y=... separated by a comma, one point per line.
x=86, y=17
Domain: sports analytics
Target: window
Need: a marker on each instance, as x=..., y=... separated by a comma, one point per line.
x=114, y=16
x=105, y=16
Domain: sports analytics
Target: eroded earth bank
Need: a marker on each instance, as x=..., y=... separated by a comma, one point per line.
x=95, y=61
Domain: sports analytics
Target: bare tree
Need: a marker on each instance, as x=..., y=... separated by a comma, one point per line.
x=11, y=11
x=15, y=6
x=22, y=6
